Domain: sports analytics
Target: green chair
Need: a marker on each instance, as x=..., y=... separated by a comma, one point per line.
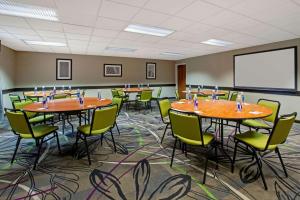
x=233, y=96
x=103, y=120
x=20, y=125
x=13, y=98
x=164, y=106
x=145, y=98
x=33, y=117
x=224, y=97
x=261, y=124
x=260, y=142
x=176, y=94
x=119, y=102
x=187, y=128
x=114, y=93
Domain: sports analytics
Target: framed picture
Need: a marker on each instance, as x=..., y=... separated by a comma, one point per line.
x=63, y=69
x=112, y=70
x=150, y=70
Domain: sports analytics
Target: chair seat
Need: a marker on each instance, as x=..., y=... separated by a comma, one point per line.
x=40, y=131
x=85, y=129
x=40, y=118
x=256, y=124
x=207, y=138
x=166, y=120
x=255, y=139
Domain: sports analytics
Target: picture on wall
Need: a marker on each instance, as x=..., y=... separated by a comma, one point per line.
x=63, y=69
x=150, y=70
x=113, y=70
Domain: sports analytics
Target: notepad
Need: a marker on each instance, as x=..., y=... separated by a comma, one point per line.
x=255, y=112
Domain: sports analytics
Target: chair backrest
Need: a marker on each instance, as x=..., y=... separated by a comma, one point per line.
x=164, y=106
x=233, y=96
x=121, y=93
x=19, y=122
x=186, y=125
x=274, y=105
x=158, y=92
x=19, y=105
x=177, y=94
x=13, y=98
x=281, y=129
x=114, y=93
x=146, y=95
x=226, y=96
x=119, y=102
x=104, y=117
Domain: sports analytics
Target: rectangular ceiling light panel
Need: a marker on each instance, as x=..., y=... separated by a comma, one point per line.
x=148, y=30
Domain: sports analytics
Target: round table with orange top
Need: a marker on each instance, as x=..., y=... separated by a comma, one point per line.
x=223, y=110
x=69, y=105
x=207, y=92
x=39, y=94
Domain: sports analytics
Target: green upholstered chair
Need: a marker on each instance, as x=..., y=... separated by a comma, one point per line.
x=145, y=98
x=187, y=128
x=119, y=102
x=114, y=93
x=20, y=126
x=33, y=117
x=259, y=142
x=103, y=120
x=224, y=97
x=176, y=94
x=233, y=96
x=164, y=106
x=261, y=124
x=13, y=98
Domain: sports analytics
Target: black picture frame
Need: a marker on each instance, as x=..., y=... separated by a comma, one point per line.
x=150, y=75
x=105, y=74
x=259, y=89
x=58, y=76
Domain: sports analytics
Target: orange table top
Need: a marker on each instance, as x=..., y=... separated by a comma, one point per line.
x=206, y=92
x=222, y=109
x=133, y=90
x=67, y=105
x=47, y=93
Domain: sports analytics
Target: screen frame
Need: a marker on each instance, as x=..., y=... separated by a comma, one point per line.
x=266, y=88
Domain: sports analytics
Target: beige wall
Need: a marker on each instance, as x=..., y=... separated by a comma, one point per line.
x=40, y=69
x=7, y=67
x=217, y=69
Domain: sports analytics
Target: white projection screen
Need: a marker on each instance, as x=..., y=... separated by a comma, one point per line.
x=267, y=70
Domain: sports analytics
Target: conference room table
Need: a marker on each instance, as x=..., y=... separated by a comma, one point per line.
x=206, y=92
x=136, y=90
x=223, y=110
x=39, y=94
x=67, y=106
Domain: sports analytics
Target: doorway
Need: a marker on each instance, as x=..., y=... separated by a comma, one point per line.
x=181, y=80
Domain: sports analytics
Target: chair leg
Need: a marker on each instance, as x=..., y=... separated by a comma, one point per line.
x=87, y=149
x=164, y=134
x=216, y=155
x=281, y=161
x=58, y=145
x=205, y=169
x=234, y=156
x=38, y=154
x=117, y=128
x=173, y=152
x=16, y=149
x=112, y=137
x=260, y=170
x=76, y=142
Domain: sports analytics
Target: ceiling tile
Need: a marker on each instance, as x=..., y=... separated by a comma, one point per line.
x=198, y=11
x=51, y=34
x=78, y=7
x=151, y=18
x=138, y=3
x=73, y=36
x=176, y=23
x=77, y=29
x=129, y=36
x=105, y=33
x=226, y=3
x=44, y=25
x=106, y=23
x=28, y=37
x=16, y=30
x=13, y=21
x=117, y=11
x=167, y=6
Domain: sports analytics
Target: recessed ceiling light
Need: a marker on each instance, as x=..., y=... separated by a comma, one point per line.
x=24, y=10
x=171, y=54
x=148, y=30
x=57, y=44
x=215, y=42
x=120, y=49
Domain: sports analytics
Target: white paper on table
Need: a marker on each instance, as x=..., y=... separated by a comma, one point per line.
x=255, y=112
x=41, y=108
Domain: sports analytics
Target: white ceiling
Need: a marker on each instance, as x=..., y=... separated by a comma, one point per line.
x=89, y=26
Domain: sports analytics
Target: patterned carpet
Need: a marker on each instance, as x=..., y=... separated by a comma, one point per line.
x=140, y=169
